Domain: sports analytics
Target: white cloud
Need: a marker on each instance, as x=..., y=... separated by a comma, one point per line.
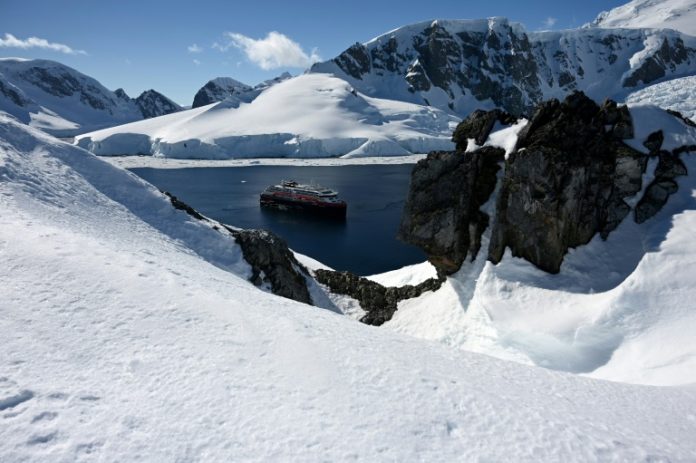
x=196, y=62
x=194, y=48
x=10, y=41
x=550, y=22
x=276, y=50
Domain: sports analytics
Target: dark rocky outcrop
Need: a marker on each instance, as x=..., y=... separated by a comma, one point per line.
x=271, y=260
x=442, y=214
x=153, y=104
x=273, y=263
x=663, y=185
x=565, y=182
x=378, y=301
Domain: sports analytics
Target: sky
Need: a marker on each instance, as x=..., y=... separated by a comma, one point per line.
x=175, y=47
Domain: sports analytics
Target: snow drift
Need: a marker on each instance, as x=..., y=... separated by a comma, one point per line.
x=679, y=15
x=312, y=115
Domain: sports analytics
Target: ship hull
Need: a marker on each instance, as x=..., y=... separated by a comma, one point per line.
x=313, y=207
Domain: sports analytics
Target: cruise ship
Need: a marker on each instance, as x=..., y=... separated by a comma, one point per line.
x=290, y=194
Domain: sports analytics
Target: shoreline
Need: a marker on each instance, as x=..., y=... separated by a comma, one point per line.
x=133, y=162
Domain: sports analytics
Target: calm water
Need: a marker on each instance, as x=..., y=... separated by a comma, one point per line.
x=364, y=244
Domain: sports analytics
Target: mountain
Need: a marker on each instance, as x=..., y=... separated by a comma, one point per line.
x=154, y=104
x=313, y=115
x=222, y=88
x=679, y=15
x=64, y=102
x=130, y=332
x=463, y=65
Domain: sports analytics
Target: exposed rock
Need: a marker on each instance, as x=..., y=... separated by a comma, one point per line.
x=442, y=213
x=153, y=104
x=565, y=183
x=271, y=260
x=378, y=301
x=654, y=142
x=478, y=125
x=657, y=193
x=273, y=263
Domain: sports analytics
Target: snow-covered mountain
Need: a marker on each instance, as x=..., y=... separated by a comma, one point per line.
x=679, y=15
x=463, y=65
x=98, y=365
x=227, y=88
x=64, y=102
x=313, y=115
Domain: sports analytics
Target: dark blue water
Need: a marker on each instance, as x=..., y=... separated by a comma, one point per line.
x=365, y=243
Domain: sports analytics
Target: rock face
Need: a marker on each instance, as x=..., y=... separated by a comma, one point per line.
x=442, y=214
x=378, y=301
x=226, y=88
x=154, y=104
x=567, y=180
x=460, y=66
x=272, y=263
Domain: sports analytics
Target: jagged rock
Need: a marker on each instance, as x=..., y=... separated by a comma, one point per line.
x=442, y=213
x=153, y=104
x=271, y=260
x=273, y=263
x=654, y=142
x=378, y=301
x=478, y=125
x=657, y=193
x=565, y=183
x=619, y=118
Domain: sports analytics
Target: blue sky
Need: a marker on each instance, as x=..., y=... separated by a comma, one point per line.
x=175, y=47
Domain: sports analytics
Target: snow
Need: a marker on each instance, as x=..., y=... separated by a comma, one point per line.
x=409, y=275
x=676, y=94
x=679, y=15
x=61, y=114
x=130, y=333
x=620, y=309
x=313, y=115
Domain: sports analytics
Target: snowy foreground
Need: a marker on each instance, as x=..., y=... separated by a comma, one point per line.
x=313, y=115
x=129, y=332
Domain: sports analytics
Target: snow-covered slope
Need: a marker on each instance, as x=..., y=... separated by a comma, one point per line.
x=313, y=115
x=620, y=309
x=463, y=65
x=227, y=88
x=129, y=333
x=676, y=94
x=679, y=15
x=64, y=102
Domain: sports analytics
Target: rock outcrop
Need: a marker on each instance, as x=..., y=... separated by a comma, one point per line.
x=272, y=263
x=568, y=179
x=442, y=214
x=378, y=301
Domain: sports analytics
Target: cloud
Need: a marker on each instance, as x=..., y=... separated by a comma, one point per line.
x=196, y=62
x=10, y=41
x=550, y=22
x=194, y=48
x=276, y=50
